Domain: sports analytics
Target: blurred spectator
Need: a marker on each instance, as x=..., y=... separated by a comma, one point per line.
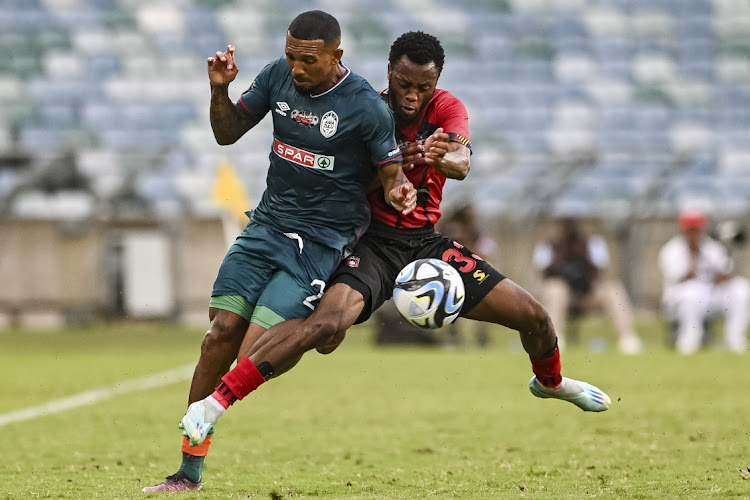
x=699, y=284
x=572, y=266
x=462, y=224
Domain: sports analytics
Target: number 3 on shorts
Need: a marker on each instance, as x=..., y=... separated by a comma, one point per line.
x=312, y=299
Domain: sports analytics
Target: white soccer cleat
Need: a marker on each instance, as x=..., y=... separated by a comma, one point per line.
x=584, y=396
x=200, y=418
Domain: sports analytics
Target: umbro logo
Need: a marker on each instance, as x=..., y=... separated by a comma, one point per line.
x=282, y=108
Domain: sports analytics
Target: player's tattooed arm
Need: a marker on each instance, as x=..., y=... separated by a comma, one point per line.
x=227, y=123
x=399, y=192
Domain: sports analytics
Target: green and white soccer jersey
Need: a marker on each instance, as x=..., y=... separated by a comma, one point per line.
x=325, y=153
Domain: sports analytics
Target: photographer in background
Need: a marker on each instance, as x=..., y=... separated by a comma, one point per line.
x=700, y=284
x=572, y=265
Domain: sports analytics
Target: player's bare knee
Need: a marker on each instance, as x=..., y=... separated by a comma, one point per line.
x=332, y=343
x=219, y=335
x=320, y=333
x=338, y=337
x=538, y=319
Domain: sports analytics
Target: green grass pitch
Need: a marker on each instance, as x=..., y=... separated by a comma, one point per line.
x=378, y=423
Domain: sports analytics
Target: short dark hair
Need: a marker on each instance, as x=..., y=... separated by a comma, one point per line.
x=315, y=25
x=419, y=47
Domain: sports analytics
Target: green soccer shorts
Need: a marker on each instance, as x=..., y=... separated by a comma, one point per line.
x=268, y=276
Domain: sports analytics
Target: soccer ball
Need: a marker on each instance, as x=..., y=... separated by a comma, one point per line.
x=428, y=293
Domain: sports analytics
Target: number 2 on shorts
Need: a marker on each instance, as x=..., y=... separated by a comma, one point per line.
x=309, y=301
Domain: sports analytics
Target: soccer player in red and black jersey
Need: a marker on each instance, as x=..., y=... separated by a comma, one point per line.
x=432, y=128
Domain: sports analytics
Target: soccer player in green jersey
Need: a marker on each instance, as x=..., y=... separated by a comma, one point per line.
x=333, y=136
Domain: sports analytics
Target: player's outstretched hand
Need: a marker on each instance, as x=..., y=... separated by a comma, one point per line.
x=222, y=68
x=403, y=197
x=435, y=147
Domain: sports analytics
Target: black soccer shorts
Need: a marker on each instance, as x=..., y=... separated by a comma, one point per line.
x=381, y=253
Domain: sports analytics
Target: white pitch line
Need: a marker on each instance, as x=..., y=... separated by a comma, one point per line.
x=100, y=394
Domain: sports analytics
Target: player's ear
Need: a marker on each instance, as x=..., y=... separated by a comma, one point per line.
x=337, y=55
x=388, y=77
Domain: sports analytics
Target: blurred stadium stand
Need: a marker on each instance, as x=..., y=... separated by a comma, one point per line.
x=616, y=110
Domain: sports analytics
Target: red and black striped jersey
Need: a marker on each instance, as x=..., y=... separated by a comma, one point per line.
x=446, y=111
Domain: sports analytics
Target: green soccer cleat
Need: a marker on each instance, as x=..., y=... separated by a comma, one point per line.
x=584, y=396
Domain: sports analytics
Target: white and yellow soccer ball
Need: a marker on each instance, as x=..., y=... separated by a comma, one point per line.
x=429, y=293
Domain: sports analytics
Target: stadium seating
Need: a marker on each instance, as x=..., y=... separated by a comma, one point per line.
x=626, y=95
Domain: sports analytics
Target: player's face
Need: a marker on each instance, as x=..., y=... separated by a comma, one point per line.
x=410, y=87
x=314, y=65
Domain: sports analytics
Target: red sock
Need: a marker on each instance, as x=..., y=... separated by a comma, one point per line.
x=238, y=383
x=547, y=370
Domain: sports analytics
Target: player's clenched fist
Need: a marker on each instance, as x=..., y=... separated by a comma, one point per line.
x=222, y=68
x=435, y=147
x=413, y=153
x=429, y=151
x=403, y=197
